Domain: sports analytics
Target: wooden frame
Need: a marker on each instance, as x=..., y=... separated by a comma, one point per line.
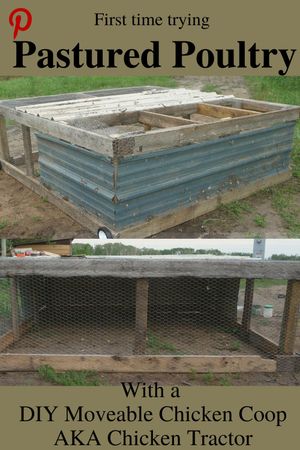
x=280, y=356
x=55, y=116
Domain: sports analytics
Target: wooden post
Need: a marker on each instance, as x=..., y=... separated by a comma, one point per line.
x=141, y=315
x=290, y=318
x=248, y=302
x=14, y=308
x=4, y=147
x=28, y=151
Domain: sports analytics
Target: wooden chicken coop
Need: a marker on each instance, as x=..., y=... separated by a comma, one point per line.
x=133, y=162
x=149, y=314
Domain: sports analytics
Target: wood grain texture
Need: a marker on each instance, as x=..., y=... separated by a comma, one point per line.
x=141, y=316
x=142, y=364
x=28, y=151
x=4, y=147
x=154, y=267
x=290, y=318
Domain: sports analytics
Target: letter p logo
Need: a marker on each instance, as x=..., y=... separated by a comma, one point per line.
x=20, y=19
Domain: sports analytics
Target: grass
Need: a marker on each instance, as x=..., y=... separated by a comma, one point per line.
x=70, y=377
x=265, y=283
x=236, y=209
x=285, y=198
x=34, y=86
x=210, y=87
x=235, y=346
x=208, y=378
x=155, y=344
x=4, y=298
x=260, y=220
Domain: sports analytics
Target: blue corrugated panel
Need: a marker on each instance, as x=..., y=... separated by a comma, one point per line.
x=158, y=182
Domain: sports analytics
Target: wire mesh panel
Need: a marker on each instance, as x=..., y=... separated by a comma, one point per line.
x=105, y=315
x=227, y=317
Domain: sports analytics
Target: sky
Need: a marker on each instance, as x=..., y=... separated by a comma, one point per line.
x=273, y=246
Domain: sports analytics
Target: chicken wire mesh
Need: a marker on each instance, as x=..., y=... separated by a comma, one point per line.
x=179, y=316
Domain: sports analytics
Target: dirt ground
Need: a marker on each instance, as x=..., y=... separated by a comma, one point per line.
x=24, y=214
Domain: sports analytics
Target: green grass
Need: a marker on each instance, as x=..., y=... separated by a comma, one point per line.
x=210, y=87
x=265, y=283
x=208, y=378
x=4, y=298
x=279, y=90
x=237, y=209
x=70, y=377
x=285, y=198
x=155, y=344
x=260, y=220
x=34, y=86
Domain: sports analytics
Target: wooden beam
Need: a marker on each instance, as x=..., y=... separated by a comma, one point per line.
x=14, y=308
x=143, y=364
x=28, y=151
x=141, y=316
x=248, y=302
x=220, y=111
x=290, y=318
x=4, y=146
x=144, y=267
x=77, y=136
x=162, y=120
x=156, y=140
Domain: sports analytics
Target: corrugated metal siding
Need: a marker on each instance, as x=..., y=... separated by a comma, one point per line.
x=164, y=180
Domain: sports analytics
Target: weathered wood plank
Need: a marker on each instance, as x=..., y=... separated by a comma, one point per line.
x=162, y=120
x=141, y=316
x=248, y=302
x=143, y=267
x=14, y=308
x=143, y=364
x=223, y=111
x=290, y=318
x=155, y=140
x=78, y=136
x=4, y=146
x=28, y=151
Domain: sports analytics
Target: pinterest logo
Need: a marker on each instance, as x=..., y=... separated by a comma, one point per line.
x=20, y=19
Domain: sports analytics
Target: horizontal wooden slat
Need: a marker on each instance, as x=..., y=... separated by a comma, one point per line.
x=145, y=364
x=78, y=136
x=177, y=136
x=154, y=267
x=223, y=111
x=162, y=120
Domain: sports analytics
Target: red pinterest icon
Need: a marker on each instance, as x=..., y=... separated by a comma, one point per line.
x=16, y=17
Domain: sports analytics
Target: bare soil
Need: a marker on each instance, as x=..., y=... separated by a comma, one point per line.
x=24, y=214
